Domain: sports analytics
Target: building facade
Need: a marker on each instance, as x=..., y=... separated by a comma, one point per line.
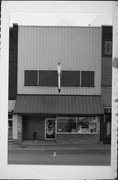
x=106, y=81
x=38, y=110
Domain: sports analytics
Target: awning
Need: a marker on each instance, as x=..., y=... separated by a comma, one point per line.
x=58, y=104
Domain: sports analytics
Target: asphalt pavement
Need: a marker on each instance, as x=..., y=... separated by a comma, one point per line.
x=42, y=154
x=38, y=157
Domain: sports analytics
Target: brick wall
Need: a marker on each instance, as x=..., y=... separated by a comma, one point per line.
x=106, y=72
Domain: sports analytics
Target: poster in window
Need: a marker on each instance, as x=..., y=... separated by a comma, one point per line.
x=50, y=129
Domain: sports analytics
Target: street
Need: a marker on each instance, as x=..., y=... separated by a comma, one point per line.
x=42, y=157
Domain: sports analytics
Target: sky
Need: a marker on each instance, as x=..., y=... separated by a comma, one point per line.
x=75, y=13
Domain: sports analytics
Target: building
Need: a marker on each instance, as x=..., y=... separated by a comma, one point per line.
x=13, y=38
x=37, y=110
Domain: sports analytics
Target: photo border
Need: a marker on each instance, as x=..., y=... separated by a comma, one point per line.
x=46, y=171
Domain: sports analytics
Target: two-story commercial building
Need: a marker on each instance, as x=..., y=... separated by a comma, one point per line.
x=39, y=110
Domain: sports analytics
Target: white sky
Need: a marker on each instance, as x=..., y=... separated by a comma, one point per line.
x=71, y=13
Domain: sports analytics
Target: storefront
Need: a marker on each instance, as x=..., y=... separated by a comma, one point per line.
x=65, y=119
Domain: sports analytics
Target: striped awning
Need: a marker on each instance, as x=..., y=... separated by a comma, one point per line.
x=58, y=104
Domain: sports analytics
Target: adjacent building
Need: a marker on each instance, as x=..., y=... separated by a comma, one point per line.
x=106, y=81
x=37, y=110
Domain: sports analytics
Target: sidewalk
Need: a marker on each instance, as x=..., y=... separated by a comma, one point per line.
x=97, y=148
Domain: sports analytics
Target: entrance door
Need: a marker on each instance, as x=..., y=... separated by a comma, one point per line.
x=50, y=129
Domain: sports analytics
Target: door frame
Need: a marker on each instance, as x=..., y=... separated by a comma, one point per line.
x=46, y=119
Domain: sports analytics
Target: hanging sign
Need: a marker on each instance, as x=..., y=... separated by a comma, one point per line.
x=59, y=76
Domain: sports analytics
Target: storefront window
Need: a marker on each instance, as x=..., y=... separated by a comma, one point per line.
x=87, y=124
x=66, y=125
x=77, y=125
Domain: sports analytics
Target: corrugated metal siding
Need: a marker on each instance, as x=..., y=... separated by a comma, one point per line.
x=40, y=48
x=54, y=104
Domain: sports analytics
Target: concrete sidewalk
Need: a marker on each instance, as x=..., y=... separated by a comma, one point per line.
x=86, y=148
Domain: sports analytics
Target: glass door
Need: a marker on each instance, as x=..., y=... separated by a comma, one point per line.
x=49, y=129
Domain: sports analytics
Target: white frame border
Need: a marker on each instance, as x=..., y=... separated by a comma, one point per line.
x=38, y=171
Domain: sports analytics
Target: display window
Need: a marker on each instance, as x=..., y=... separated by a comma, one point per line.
x=66, y=125
x=77, y=125
x=87, y=124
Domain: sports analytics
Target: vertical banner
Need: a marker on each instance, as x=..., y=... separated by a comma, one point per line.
x=59, y=76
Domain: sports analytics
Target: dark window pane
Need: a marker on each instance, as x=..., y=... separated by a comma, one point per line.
x=87, y=79
x=10, y=116
x=66, y=125
x=10, y=124
x=70, y=78
x=48, y=78
x=31, y=78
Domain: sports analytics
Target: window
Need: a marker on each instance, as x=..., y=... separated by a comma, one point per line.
x=87, y=125
x=107, y=47
x=70, y=78
x=48, y=78
x=87, y=78
x=80, y=125
x=10, y=123
x=10, y=116
x=31, y=78
x=66, y=125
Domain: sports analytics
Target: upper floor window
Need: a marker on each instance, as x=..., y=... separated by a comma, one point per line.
x=31, y=78
x=107, y=48
x=68, y=78
x=87, y=78
x=48, y=78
